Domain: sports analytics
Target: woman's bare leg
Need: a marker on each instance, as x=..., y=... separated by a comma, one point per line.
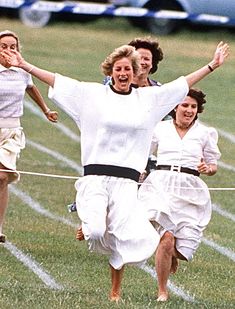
x=174, y=265
x=163, y=263
x=3, y=200
x=167, y=262
x=116, y=277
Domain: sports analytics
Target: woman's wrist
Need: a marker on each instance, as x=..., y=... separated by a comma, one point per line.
x=210, y=170
x=47, y=111
x=212, y=66
x=26, y=66
x=30, y=68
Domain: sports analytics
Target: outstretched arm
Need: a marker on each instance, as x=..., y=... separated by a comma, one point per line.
x=15, y=59
x=221, y=53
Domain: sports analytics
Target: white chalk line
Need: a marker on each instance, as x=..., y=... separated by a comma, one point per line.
x=66, y=131
x=226, y=166
x=56, y=155
x=33, y=266
x=230, y=137
x=26, y=259
x=223, y=213
x=38, y=208
x=224, y=251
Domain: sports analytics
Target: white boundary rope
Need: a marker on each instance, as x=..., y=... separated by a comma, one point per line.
x=40, y=174
x=77, y=177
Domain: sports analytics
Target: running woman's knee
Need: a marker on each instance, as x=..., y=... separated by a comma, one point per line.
x=167, y=243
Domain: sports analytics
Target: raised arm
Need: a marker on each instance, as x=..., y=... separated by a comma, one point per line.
x=15, y=59
x=221, y=53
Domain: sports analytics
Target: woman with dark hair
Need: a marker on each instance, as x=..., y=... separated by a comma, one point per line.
x=150, y=56
x=14, y=82
x=178, y=201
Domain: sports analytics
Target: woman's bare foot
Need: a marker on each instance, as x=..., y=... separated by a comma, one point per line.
x=80, y=235
x=116, y=278
x=174, y=265
x=162, y=297
x=114, y=296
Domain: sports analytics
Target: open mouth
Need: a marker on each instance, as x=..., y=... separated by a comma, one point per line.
x=123, y=79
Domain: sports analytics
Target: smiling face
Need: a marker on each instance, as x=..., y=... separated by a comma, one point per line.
x=122, y=74
x=186, y=112
x=7, y=43
x=146, y=59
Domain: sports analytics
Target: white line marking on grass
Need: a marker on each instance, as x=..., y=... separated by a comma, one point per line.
x=226, y=166
x=176, y=290
x=33, y=265
x=38, y=208
x=222, y=212
x=59, y=126
x=224, y=251
x=56, y=155
x=227, y=135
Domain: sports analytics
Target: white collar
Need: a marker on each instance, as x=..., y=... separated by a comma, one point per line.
x=2, y=68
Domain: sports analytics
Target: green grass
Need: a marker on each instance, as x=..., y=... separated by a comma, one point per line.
x=76, y=50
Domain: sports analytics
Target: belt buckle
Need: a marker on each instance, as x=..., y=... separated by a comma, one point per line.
x=176, y=168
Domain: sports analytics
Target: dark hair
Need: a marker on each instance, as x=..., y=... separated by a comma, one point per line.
x=153, y=46
x=199, y=96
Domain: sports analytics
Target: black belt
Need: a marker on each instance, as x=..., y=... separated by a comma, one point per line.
x=111, y=170
x=177, y=168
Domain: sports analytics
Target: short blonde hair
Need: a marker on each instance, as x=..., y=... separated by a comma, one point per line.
x=10, y=33
x=124, y=51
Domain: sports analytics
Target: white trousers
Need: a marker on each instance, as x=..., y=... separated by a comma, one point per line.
x=112, y=220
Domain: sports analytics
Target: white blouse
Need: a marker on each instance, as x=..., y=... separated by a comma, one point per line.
x=199, y=142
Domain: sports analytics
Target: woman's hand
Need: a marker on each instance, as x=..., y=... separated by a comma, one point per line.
x=52, y=116
x=13, y=58
x=206, y=169
x=221, y=53
x=142, y=177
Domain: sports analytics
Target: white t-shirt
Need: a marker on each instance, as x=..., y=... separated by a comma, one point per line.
x=13, y=83
x=116, y=129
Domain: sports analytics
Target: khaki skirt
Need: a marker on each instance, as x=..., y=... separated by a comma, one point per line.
x=12, y=141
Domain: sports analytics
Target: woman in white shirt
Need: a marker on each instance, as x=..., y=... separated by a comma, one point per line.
x=177, y=199
x=116, y=123
x=14, y=82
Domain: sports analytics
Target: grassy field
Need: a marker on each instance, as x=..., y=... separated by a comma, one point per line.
x=42, y=265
